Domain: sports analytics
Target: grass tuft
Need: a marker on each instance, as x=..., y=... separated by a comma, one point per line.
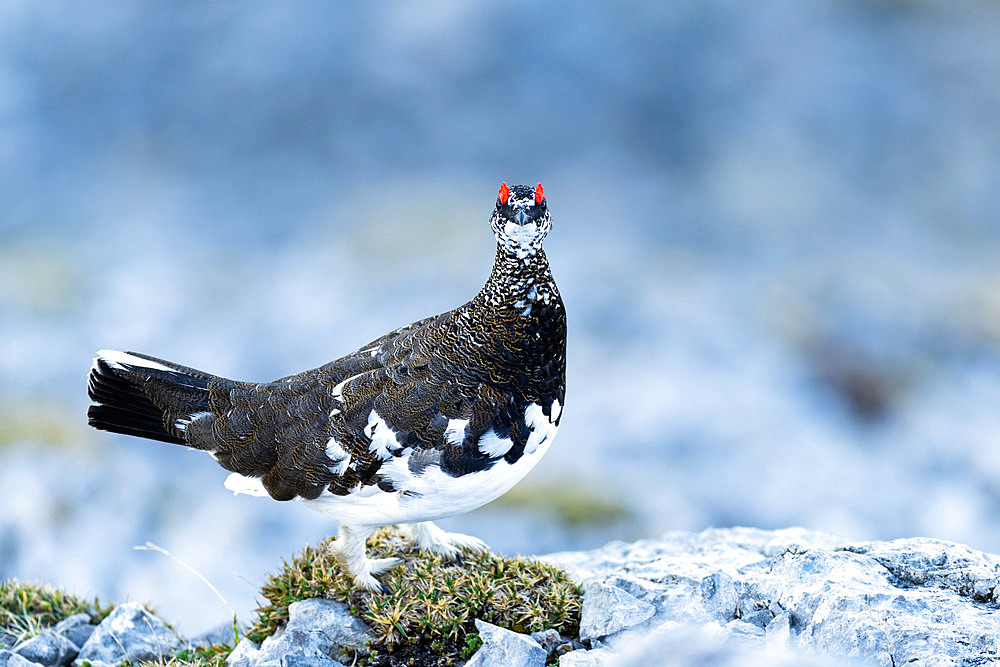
x=430, y=610
x=203, y=656
x=26, y=609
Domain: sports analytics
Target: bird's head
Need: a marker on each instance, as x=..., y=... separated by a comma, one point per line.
x=521, y=219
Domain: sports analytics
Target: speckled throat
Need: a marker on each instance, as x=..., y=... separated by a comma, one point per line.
x=520, y=309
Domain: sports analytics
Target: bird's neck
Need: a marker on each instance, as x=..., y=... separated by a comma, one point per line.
x=518, y=281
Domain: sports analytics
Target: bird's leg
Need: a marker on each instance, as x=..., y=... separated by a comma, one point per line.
x=349, y=548
x=428, y=537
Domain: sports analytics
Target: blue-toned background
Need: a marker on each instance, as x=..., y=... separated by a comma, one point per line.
x=776, y=230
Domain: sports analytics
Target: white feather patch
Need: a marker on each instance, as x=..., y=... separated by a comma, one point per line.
x=455, y=433
x=383, y=438
x=543, y=429
x=182, y=423
x=122, y=359
x=338, y=390
x=341, y=466
x=493, y=446
x=334, y=450
x=339, y=456
x=251, y=486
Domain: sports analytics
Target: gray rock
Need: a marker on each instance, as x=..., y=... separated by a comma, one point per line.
x=548, y=640
x=10, y=659
x=130, y=632
x=48, y=648
x=245, y=654
x=316, y=631
x=583, y=658
x=760, y=618
x=503, y=648
x=76, y=628
x=799, y=593
x=609, y=609
x=7, y=640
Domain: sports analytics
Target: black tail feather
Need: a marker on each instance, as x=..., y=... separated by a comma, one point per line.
x=124, y=406
x=117, y=420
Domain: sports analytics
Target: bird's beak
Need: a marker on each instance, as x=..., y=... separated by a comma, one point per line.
x=521, y=217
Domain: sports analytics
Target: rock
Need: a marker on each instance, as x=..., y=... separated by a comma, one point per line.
x=709, y=645
x=597, y=657
x=548, y=640
x=76, y=628
x=244, y=655
x=48, y=648
x=718, y=593
x=316, y=631
x=10, y=659
x=503, y=648
x=130, y=632
x=799, y=595
x=7, y=640
x=608, y=609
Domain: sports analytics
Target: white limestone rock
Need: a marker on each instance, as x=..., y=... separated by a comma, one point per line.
x=587, y=658
x=609, y=609
x=502, y=648
x=244, y=655
x=130, y=632
x=795, y=595
x=316, y=632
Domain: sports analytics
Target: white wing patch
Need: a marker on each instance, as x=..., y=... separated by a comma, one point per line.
x=383, y=438
x=543, y=428
x=334, y=450
x=455, y=433
x=493, y=446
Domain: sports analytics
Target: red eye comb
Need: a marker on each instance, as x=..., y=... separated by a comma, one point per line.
x=539, y=194
x=504, y=193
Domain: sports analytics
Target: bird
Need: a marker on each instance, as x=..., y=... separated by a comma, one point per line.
x=431, y=420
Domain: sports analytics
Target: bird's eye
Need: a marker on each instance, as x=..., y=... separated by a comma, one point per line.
x=539, y=194
x=503, y=195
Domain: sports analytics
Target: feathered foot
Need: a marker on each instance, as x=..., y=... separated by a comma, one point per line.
x=349, y=549
x=428, y=537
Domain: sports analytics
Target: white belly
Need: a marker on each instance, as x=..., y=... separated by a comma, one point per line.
x=429, y=496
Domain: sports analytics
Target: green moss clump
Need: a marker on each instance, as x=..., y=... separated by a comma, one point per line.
x=25, y=609
x=429, y=613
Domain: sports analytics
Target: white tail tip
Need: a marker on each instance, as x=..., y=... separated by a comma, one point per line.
x=122, y=359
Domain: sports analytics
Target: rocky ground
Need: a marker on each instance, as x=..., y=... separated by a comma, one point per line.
x=720, y=597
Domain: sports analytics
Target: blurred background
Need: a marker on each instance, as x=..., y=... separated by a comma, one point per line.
x=776, y=232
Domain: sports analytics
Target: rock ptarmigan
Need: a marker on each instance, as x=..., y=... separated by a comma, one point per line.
x=431, y=420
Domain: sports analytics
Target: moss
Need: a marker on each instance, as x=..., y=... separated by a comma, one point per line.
x=428, y=615
x=25, y=609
